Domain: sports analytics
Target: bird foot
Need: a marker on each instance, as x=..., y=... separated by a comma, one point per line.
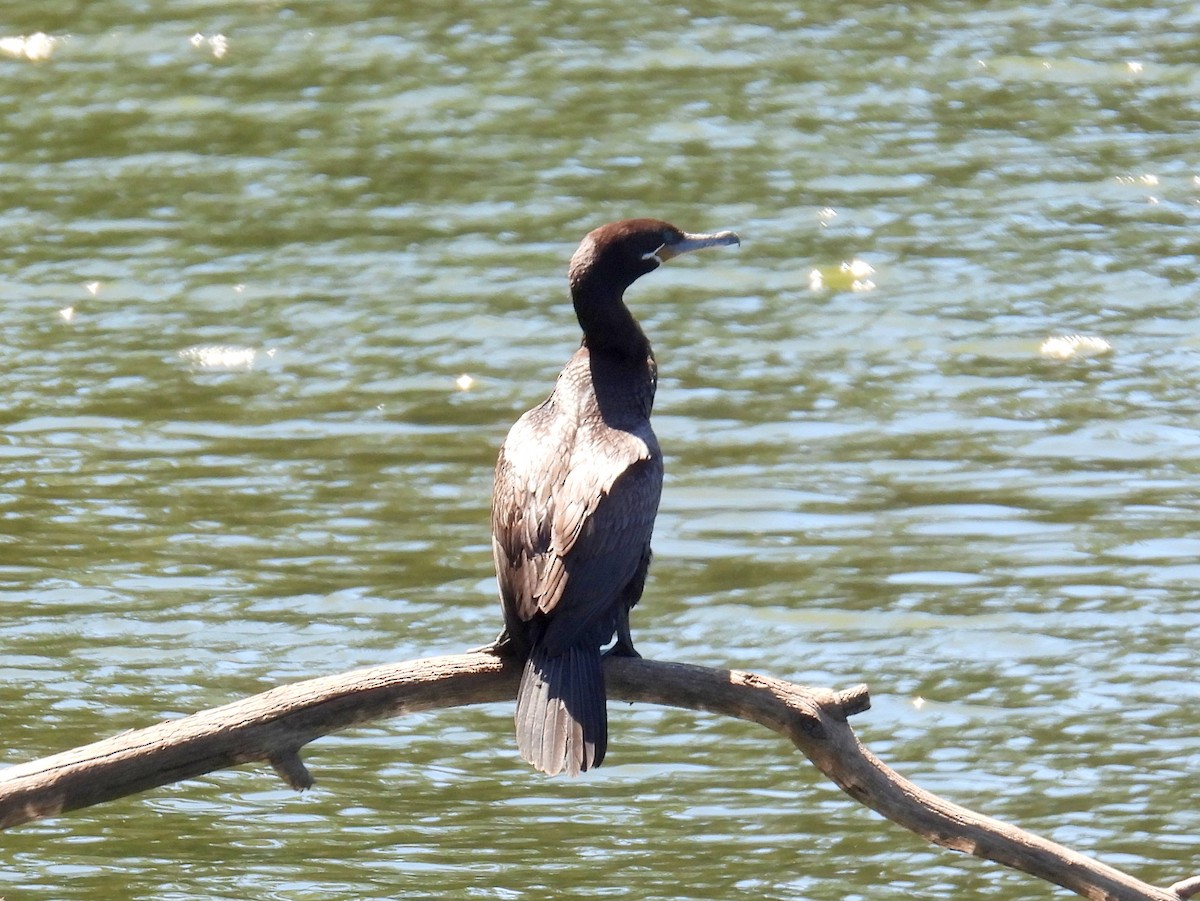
x=502, y=646
x=622, y=649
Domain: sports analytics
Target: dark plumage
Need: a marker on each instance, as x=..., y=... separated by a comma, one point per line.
x=577, y=489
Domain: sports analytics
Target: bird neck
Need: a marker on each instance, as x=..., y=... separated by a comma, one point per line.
x=608, y=326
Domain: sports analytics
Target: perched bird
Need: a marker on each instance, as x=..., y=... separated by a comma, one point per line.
x=576, y=493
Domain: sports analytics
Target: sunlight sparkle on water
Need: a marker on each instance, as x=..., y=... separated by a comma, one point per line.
x=1065, y=347
x=1146, y=179
x=217, y=43
x=849, y=276
x=222, y=358
x=859, y=270
x=35, y=47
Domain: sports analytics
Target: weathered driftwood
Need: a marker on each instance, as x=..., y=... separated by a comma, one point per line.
x=275, y=725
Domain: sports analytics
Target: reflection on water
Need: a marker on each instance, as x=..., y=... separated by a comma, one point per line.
x=278, y=280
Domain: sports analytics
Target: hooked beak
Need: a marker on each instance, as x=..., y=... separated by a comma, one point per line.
x=696, y=242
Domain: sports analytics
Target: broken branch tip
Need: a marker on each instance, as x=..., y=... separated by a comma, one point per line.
x=291, y=769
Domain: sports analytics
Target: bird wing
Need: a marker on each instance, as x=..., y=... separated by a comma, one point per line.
x=572, y=516
x=533, y=460
x=609, y=548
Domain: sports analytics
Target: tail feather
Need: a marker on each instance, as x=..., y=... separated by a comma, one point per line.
x=562, y=717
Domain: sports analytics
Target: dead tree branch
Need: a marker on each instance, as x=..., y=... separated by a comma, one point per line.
x=275, y=725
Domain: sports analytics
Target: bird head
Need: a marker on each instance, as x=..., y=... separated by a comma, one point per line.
x=619, y=253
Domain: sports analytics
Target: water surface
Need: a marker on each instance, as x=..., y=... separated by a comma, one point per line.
x=251, y=250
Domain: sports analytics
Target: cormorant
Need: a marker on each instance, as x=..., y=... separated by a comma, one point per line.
x=576, y=493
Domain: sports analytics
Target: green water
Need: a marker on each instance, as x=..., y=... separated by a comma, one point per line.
x=250, y=248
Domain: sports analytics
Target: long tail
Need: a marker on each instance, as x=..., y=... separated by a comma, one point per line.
x=562, y=716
